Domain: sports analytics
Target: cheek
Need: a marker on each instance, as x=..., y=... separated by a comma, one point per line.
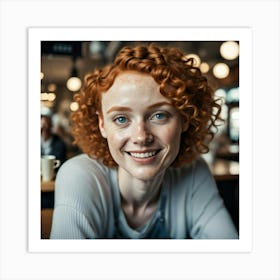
x=171, y=134
x=116, y=139
x=172, y=139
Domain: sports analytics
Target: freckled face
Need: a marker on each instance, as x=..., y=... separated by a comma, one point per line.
x=142, y=128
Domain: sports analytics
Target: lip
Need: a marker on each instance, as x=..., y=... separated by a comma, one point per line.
x=147, y=156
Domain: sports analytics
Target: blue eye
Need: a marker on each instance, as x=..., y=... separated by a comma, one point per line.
x=159, y=116
x=121, y=120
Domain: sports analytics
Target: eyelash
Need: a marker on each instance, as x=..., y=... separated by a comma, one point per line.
x=162, y=114
x=117, y=120
x=122, y=120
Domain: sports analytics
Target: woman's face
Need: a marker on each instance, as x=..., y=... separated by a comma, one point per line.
x=142, y=128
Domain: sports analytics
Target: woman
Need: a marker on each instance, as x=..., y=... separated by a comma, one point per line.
x=142, y=123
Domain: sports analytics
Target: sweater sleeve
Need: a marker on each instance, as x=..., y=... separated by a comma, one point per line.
x=210, y=218
x=82, y=197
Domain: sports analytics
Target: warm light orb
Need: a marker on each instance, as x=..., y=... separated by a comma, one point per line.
x=74, y=83
x=74, y=106
x=229, y=50
x=45, y=96
x=52, y=87
x=204, y=67
x=221, y=70
x=52, y=96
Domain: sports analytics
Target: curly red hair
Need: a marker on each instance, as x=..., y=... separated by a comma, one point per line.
x=179, y=80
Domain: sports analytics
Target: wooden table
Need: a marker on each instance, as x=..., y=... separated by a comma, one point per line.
x=47, y=186
x=226, y=174
x=225, y=170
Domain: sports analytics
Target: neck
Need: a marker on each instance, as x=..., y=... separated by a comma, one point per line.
x=138, y=193
x=138, y=198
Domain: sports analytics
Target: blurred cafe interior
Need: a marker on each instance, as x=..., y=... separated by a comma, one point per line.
x=65, y=63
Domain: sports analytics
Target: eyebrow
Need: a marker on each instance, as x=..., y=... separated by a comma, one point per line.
x=159, y=104
x=121, y=108
x=118, y=108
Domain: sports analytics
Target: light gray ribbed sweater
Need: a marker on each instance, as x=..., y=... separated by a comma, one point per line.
x=87, y=204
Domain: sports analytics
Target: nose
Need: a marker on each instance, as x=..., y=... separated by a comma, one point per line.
x=141, y=134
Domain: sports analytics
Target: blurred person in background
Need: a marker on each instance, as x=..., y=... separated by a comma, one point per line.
x=143, y=122
x=51, y=143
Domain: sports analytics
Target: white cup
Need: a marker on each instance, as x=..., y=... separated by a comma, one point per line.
x=48, y=165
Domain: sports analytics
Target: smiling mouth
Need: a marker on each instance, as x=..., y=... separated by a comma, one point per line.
x=143, y=155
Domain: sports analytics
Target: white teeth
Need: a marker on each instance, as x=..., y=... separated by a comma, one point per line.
x=143, y=155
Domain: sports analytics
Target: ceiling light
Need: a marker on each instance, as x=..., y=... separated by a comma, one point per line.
x=74, y=83
x=221, y=70
x=204, y=67
x=52, y=87
x=45, y=96
x=229, y=50
x=74, y=106
x=52, y=96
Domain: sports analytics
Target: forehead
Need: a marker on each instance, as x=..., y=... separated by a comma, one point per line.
x=131, y=85
x=134, y=79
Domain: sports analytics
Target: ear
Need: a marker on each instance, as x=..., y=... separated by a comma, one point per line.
x=101, y=125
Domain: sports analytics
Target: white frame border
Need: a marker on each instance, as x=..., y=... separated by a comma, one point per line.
x=243, y=35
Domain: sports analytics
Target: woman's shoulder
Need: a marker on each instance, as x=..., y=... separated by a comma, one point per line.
x=83, y=178
x=189, y=177
x=83, y=189
x=83, y=163
x=198, y=167
x=83, y=168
